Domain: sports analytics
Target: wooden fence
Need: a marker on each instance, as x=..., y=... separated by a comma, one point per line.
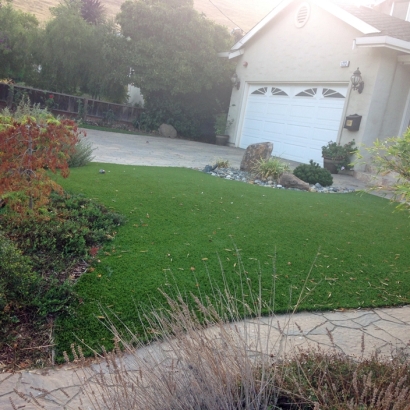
x=69, y=105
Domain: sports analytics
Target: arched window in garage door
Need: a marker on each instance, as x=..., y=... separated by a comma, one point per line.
x=329, y=93
x=310, y=92
x=273, y=91
x=261, y=91
x=278, y=91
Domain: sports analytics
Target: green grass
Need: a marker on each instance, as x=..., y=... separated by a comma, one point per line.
x=179, y=217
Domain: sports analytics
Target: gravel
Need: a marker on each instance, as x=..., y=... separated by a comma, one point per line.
x=243, y=176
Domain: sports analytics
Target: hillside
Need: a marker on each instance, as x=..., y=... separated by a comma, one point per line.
x=244, y=13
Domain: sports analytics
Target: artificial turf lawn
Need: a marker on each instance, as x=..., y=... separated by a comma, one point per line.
x=180, y=220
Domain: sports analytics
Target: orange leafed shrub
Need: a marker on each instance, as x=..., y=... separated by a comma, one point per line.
x=27, y=150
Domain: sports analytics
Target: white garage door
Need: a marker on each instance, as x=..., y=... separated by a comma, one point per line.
x=299, y=120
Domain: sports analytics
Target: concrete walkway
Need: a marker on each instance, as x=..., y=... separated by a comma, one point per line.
x=385, y=330
x=356, y=333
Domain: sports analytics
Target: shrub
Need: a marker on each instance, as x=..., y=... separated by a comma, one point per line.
x=24, y=109
x=82, y=154
x=222, y=123
x=222, y=163
x=393, y=155
x=40, y=257
x=17, y=280
x=272, y=167
x=313, y=173
x=63, y=233
x=340, y=153
x=189, y=113
x=28, y=148
x=336, y=381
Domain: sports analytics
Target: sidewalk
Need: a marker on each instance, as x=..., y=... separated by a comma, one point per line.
x=386, y=331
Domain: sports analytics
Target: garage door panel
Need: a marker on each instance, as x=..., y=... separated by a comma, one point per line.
x=299, y=130
x=331, y=114
x=256, y=108
x=253, y=125
x=292, y=153
x=305, y=112
x=275, y=127
x=278, y=109
x=323, y=135
x=250, y=139
x=298, y=127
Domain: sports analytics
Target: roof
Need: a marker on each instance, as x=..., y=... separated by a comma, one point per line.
x=388, y=25
x=384, y=30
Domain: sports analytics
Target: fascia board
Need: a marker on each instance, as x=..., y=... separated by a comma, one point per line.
x=384, y=41
x=236, y=53
x=280, y=5
x=347, y=17
x=223, y=54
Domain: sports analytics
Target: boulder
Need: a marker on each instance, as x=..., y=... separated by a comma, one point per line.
x=291, y=181
x=254, y=153
x=167, y=131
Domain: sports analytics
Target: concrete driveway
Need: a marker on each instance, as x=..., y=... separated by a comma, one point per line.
x=127, y=149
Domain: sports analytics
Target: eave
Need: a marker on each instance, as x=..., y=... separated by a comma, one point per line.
x=383, y=41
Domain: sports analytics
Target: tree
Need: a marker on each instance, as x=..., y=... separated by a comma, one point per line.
x=175, y=60
x=92, y=11
x=90, y=59
x=27, y=149
x=18, y=34
x=63, y=51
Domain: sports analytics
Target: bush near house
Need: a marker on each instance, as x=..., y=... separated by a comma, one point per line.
x=313, y=173
x=393, y=155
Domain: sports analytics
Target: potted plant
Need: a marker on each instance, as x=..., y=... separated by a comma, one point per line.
x=337, y=157
x=220, y=126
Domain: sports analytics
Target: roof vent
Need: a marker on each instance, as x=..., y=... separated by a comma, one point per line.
x=302, y=15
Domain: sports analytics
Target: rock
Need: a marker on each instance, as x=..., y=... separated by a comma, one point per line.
x=167, y=131
x=209, y=168
x=254, y=153
x=291, y=181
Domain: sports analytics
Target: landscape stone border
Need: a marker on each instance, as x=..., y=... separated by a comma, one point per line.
x=234, y=174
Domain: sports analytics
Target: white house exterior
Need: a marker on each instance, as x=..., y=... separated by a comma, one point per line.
x=294, y=69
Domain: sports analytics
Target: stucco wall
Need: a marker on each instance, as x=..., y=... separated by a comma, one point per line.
x=397, y=101
x=283, y=53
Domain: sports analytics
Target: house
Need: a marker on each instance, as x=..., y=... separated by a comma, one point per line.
x=294, y=72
